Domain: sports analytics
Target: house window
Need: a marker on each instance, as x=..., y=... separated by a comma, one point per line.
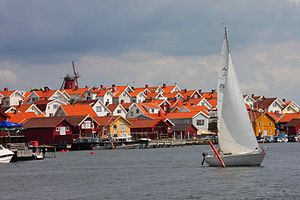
x=86, y=125
x=67, y=128
x=119, y=111
x=124, y=95
x=55, y=106
x=115, y=126
x=137, y=111
x=98, y=109
x=57, y=129
x=131, y=113
x=259, y=124
x=270, y=131
x=50, y=114
x=186, y=121
x=270, y=123
x=200, y=122
x=152, y=110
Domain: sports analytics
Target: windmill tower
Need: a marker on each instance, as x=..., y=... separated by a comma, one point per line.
x=71, y=81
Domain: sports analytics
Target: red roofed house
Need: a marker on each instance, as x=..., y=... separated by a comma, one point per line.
x=199, y=119
x=170, y=88
x=138, y=95
x=150, y=128
x=49, y=107
x=285, y=119
x=105, y=96
x=293, y=127
x=98, y=107
x=49, y=131
x=116, y=127
x=269, y=105
x=22, y=117
x=117, y=110
x=190, y=94
x=290, y=107
x=46, y=94
x=121, y=94
x=84, y=129
x=11, y=98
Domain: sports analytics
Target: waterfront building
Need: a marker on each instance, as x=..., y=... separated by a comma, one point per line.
x=263, y=124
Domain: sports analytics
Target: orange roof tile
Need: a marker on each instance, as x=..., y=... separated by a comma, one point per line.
x=145, y=123
x=78, y=109
x=22, y=117
x=7, y=93
x=182, y=115
x=78, y=91
x=209, y=95
x=288, y=117
x=168, y=89
x=195, y=108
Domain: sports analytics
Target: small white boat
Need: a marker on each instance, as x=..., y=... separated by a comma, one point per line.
x=5, y=155
x=237, y=142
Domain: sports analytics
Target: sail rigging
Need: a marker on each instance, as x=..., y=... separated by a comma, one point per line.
x=235, y=134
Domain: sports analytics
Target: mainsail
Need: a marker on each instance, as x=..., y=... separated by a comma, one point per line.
x=235, y=134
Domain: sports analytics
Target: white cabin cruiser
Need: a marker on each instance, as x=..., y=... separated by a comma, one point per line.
x=5, y=155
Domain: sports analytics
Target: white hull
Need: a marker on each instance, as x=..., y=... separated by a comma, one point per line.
x=254, y=158
x=5, y=159
x=5, y=155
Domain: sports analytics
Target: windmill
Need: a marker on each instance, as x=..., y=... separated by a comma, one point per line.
x=71, y=81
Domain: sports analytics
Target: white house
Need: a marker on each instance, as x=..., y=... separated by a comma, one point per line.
x=117, y=110
x=49, y=107
x=106, y=96
x=11, y=98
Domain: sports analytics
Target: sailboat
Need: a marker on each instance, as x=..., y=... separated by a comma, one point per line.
x=237, y=142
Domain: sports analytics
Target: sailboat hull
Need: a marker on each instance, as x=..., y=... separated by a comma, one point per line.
x=254, y=158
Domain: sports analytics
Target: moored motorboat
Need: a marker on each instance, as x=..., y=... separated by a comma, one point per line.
x=5, y=155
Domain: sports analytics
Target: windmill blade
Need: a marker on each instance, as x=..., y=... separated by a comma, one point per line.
x=76, y=74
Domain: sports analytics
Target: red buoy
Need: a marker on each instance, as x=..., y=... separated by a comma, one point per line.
x=92, y=153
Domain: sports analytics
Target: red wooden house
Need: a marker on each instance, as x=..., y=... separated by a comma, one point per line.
x=150, y=128
x=49, y=131
x=184, y=131
x=3, y=116
x=293, y=127
x=83, y=127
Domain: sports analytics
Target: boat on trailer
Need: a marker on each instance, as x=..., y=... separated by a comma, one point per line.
x=237, y=142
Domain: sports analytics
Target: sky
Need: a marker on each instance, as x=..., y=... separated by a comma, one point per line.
x=139, y=42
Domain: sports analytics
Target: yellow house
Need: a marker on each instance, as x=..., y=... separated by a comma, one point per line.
x=114, y=126
x=263, y=124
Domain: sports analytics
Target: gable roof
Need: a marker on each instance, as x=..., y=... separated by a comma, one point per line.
x=108, y=120
x=184, y=115
x=265, y=103
x=46, y=122
x=23, y=117
x=293, y=122
x=145, y=123
x=78, y=109
x=189, y=93
x=288, y=117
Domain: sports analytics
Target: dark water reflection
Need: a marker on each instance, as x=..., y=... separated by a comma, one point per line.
x=171, y=173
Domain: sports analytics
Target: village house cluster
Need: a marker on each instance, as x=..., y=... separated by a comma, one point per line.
x=76, y=115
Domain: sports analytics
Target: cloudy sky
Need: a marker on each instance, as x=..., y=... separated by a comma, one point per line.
x=140, y=42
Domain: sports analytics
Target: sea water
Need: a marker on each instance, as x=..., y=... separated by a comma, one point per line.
x=165, y=173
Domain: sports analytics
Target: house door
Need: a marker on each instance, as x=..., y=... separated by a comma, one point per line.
x=62, y=130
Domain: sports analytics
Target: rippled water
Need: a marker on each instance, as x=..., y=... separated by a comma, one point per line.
x=170, y=173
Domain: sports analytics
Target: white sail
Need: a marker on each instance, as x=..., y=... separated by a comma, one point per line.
x=235, y=134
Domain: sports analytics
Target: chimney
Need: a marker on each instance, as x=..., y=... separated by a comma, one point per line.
x=122, y=101
x=94, y=88
x=5, y=89
x=86, y=86
x=146, y=86
x=159, y=113
x=252, y=95
x=164, y=85
x=283, y=100
x=101, y=87
x=212, y=91
x=132, y=88
x=46, y=89
x=185, y=90
x=113, y=87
